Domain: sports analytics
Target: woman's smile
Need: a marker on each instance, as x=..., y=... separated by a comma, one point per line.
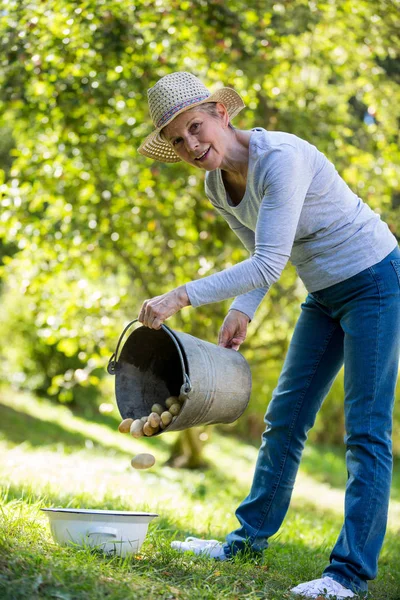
x=203, y=156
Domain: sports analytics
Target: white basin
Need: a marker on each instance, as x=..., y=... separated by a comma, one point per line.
x=115, y=532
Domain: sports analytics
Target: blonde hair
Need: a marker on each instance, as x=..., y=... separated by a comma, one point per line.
x=211, y=109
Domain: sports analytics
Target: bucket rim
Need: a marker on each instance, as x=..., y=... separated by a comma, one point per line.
x=113, y=365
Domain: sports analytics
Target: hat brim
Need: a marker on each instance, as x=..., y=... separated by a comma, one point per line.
x=158, y=149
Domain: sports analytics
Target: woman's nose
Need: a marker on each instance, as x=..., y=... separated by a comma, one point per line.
x=191, y=144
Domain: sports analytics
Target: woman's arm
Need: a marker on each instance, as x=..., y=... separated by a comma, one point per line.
x=249, y=302
x=156, y=310
x=285, y=182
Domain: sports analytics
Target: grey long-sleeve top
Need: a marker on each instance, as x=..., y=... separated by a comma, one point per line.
x=295, y=206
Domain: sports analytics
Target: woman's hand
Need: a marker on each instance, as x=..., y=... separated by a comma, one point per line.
x=154, y=311
x=234, y=330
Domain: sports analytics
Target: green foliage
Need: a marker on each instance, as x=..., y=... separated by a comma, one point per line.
x=89, y=228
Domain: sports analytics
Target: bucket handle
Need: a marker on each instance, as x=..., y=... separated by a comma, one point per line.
x=112, y=366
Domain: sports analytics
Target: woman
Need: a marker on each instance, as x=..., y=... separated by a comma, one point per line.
x=284, y=199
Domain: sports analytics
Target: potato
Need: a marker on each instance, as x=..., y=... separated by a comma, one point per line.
x=175, y=409
x=149, y=430
x=125, y=425
x=162, y=426
x=144, y=419
x=170, y=401
x=157, y=408
x=137, y=428
x=154, y=420
x=166, y=418
x=143, y=461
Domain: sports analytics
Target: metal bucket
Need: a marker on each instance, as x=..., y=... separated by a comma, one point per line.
x=213, y=382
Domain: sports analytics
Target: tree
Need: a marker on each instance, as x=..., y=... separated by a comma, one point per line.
x=89, y=228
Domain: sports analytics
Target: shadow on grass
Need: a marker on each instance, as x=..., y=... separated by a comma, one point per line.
x=19, y=427
x=92, y=415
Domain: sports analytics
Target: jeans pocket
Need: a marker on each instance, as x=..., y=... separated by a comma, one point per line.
x=396, y=267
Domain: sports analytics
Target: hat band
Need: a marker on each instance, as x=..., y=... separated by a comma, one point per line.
x=178, y=107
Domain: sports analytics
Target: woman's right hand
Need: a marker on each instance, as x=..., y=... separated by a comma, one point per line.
x=234, y=330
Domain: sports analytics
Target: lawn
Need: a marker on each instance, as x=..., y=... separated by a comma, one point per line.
x=53, y=458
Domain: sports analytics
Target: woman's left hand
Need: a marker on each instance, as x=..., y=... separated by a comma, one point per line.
x=156, y=310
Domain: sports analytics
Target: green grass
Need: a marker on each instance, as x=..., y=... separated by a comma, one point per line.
x=51, y=457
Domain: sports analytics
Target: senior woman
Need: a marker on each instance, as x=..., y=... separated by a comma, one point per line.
x=285, y=200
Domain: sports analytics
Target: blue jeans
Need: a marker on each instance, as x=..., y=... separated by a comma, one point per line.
x=355, y=322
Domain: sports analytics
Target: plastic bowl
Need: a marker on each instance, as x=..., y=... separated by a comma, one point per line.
x=113, y=532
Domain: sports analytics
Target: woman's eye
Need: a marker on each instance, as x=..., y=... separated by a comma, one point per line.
x=193, y=128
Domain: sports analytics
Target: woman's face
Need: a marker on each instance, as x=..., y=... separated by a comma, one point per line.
x=198, y=138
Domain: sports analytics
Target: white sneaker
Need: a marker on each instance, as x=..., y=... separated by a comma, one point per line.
x=210, y=548
x=326, y=586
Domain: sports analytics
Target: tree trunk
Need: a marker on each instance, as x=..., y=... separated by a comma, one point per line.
x=187, y=450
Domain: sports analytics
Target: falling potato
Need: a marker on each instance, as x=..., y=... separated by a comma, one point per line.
x=125, y=425
x=143, y=461
x=136, y=428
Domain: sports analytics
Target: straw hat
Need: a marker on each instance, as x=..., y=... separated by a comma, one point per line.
x=172, y=95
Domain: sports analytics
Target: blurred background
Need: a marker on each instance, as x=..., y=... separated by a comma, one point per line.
x=89, y=228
